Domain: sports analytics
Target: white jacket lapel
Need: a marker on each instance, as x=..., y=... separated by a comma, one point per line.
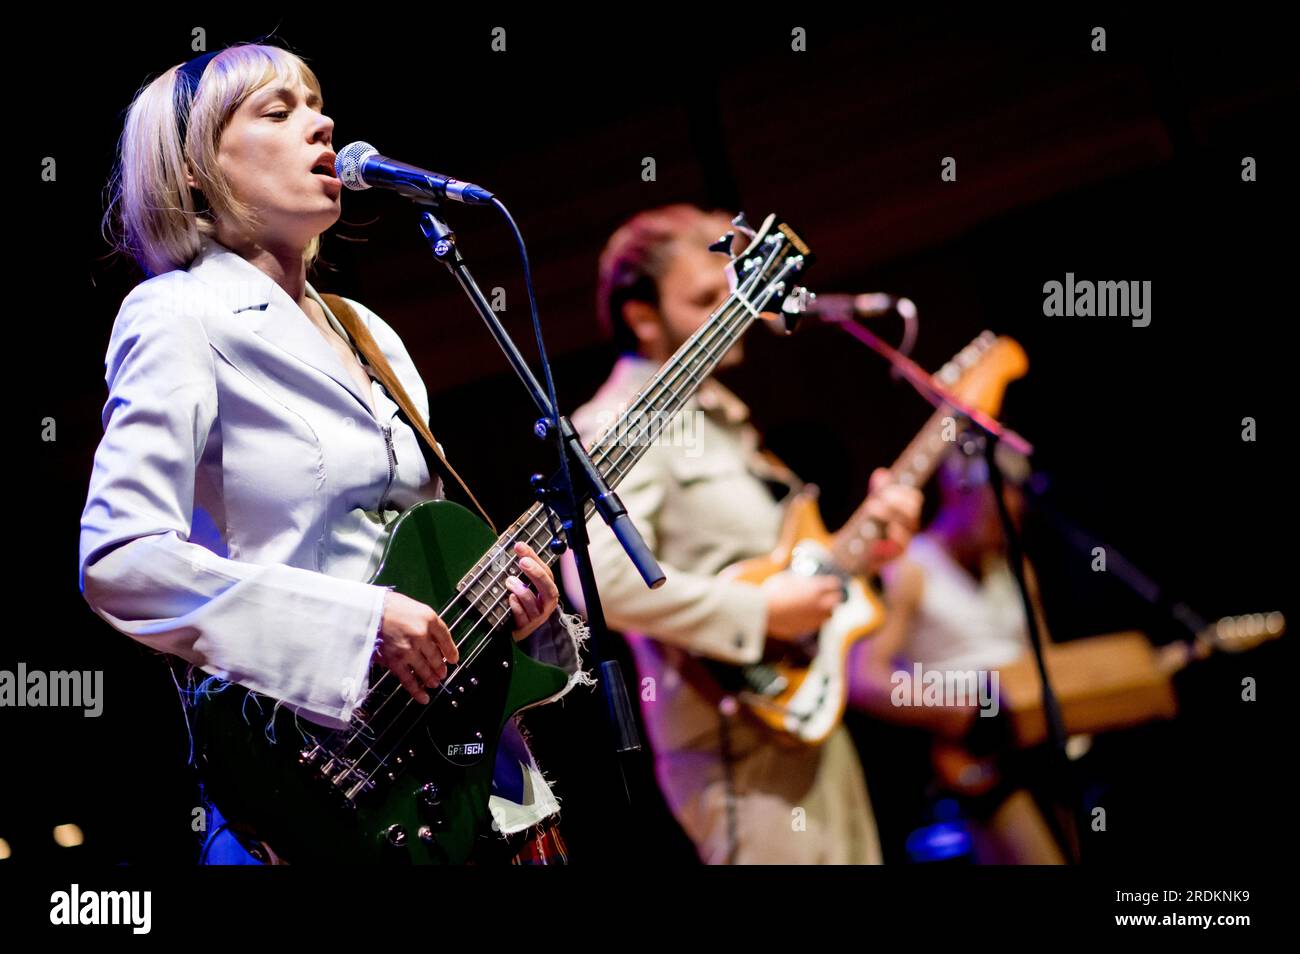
x=270, y=313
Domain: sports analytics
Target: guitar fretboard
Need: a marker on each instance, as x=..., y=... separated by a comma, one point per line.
x=851, y=545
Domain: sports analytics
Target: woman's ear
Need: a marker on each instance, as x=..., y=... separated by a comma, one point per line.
x=201, y=204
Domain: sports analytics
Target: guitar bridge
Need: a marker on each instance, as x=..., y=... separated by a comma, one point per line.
x=344, y=776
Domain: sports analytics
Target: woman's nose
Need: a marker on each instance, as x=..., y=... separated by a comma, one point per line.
x=324, y=129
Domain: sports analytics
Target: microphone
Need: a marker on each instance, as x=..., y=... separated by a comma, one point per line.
x=840, y=310
x=842, y=307
x=360, y=166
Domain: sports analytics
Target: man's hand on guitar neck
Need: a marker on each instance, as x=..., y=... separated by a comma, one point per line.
x=897, y=509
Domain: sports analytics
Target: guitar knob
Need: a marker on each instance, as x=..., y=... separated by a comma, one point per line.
x=425, y=834
x=742, y=225
x=395, y=836
x=432, y=807
x=723, y=244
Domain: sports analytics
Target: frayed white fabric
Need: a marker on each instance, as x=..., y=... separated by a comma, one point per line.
x=540, y=802
x=578, y=632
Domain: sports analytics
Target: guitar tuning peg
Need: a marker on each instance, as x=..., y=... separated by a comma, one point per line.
x=798, y=301
x=723, y=244
x=742, y=225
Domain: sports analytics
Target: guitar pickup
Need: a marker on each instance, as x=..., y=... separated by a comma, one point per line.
x=764, y=680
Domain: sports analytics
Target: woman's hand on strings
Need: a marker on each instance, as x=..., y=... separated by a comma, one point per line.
x=531, y=606
x=415, y=644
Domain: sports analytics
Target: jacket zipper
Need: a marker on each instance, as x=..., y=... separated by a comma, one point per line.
x=392, y=464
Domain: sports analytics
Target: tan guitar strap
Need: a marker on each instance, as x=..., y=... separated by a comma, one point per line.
x=364, y=342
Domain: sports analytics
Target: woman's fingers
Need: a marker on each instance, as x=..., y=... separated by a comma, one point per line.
x=434, y=661
x=443, y=639
x=398, y=656
x=407, y=677
x=541, y=577
x=531, y=605
x=422, y=668
x=517, y=611
x=525, y=597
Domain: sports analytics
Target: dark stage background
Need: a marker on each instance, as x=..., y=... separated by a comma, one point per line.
x=1123, y=165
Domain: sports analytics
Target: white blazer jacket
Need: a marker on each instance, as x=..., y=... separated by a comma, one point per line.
x=241, y=496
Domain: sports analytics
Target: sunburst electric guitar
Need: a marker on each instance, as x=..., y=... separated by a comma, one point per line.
x=803, y=692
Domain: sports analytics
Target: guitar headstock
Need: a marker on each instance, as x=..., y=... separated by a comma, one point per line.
x=764, y=264
x=979, y=374
x=1235, y=634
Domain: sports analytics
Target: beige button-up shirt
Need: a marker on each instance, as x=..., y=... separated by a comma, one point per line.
x=703, y=500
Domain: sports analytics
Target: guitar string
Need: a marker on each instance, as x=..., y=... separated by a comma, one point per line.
x=668, y=381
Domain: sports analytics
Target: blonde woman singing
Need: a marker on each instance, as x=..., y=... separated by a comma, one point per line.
x=250, y=466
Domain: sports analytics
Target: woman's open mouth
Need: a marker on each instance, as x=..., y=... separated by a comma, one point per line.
x=324, y=172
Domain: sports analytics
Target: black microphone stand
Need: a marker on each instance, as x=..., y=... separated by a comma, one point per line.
x=561, y=495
